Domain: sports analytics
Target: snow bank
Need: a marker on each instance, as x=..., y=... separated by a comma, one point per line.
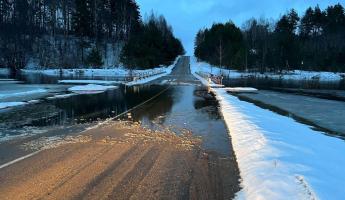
x=91, y=89
x=242, y=90
x=10, y=104
x=8, y=94
x=89, y=82
x=289, y=75
x=280, y=158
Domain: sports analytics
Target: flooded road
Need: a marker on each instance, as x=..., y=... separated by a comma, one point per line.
x=175, y=145
x=184, y=106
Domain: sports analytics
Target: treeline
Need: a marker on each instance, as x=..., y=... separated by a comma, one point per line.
x=66, y=33
x=314, y=41
x=156, y=45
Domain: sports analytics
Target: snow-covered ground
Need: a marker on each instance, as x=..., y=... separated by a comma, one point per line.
x=91, y=89
x=89, y=82
x=280, y=158
x=10, y=104
x=291, y=75
x=140, y=76
x=115, y=72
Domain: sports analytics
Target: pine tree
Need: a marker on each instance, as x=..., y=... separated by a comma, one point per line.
x=94, y=59
x=82, y=19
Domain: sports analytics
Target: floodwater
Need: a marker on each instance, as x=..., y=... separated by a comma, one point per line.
x=179, y=108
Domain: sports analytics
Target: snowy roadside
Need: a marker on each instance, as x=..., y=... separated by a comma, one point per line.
x=291, y=75
x=280, y=158
x=113, y=72
x=140, y=76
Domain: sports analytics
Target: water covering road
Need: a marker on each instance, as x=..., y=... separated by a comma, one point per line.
x=184, y=107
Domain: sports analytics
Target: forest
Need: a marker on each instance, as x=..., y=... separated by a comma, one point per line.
x=78, y=34
x=313, y=41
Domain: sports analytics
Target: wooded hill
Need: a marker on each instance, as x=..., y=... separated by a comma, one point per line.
x=314, y=41
x=71, y=33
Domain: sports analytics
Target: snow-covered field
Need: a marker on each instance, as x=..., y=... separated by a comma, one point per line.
x=280, y=158
x=291, y=75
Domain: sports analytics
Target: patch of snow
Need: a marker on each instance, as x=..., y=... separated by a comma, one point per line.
x=287, y=75
x=7, y=94
x=280, y=158
x=89, y=82
x=91, y=89
x=61, y=96
x=4, y=105
x=34, y=101
x=241, y=90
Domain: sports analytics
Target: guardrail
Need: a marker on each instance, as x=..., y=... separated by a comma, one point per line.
x=211, y=77
x=144, y=75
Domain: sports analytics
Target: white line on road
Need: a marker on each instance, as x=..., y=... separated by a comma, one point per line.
x=19, y=159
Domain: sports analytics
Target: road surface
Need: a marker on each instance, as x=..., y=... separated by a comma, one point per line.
x=123, y=160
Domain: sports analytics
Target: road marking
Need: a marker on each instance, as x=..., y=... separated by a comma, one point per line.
x=19, y=159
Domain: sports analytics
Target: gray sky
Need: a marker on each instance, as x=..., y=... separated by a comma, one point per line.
x=188, y=16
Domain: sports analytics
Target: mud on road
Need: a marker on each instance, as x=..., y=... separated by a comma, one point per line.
x=122, y=160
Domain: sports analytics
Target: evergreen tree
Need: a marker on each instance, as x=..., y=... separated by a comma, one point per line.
x=94, y=59
x=82, y=18
x=153, y=45
x=221, y=45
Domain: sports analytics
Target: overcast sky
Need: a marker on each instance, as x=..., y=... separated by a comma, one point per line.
x=188, y=16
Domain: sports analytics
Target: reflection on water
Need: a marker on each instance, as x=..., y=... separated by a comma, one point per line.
x=75, y=109
x=187, y=108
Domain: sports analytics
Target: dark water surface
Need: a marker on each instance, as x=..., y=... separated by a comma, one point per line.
x=178, y=108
